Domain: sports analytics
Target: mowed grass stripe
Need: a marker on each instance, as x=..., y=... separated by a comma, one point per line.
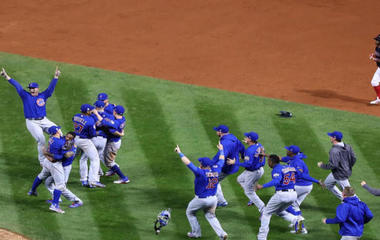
x=213, y=114
x=155, y=138
x=70, y=104
x=22, y=167
x=289, y=130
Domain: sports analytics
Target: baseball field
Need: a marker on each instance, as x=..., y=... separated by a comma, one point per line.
x=181, y=68
x=160, y=115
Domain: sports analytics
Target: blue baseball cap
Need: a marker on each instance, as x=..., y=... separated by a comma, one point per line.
x=119, y=109
x=33, y=85
x=205, y=161
x=222, y=128
x=99, y=104
x=53, y=129
x=102, y=96
x=336, y=134
x=293, y=148
x=252, y=135
x=86, y=107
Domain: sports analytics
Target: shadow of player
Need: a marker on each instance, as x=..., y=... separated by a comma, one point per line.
x=323, y=93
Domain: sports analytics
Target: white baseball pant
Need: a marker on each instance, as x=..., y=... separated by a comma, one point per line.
x=277, y=204
x=247, y=180
x=88, y=148
x=331, y=182
x=49, y=183
x=100, y=144
x=208, y=205
x=36, y=129
x=302, y=192
x=219, y=191
x=349, y=238
x=376, y=78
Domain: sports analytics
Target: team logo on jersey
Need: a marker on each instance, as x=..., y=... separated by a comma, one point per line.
x=40, y=102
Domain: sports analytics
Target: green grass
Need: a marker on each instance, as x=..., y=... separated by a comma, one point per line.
x=161, y=114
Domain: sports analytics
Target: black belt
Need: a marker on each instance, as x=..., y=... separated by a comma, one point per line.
x=83, y=137
x=36, y=118
x=286, y=190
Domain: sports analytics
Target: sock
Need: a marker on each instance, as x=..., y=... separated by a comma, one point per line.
x=118, y=171
x=377, y=90
x=57, y=195
x=36, y=183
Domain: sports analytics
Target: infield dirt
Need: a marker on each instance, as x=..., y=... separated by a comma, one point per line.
x=313, y=52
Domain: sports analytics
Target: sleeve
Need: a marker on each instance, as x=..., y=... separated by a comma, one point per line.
x=241, y=151
x=352, y=157
x=333, y=160
x=56, y=150
x=341, y=215
x=276, y=179
x=49, y=91
x=373, y=191
x=18, y=86
x=248, y=159
x=307, y=177
x=285, y=159
x=194, y=169
x=367, y=214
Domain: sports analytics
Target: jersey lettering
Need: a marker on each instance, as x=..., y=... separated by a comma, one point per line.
x=289, y=177
x=211, y=183
x=78, y=127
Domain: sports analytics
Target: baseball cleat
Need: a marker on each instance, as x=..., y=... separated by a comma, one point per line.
x=97, y=184
x=56, y=208
x=122, y=181
x=101, y=173
x=192, y=235
x=32, y=193
x=222, y=204
x=110, y=173
x=84, y=183
x=297, y=227
x=377, y=101
x=223, y=237
x=76, y=204
x=250, y=203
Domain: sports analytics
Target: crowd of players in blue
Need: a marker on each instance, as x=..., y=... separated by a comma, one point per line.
x=98, y=130
x=97, y=133
x=290, y=178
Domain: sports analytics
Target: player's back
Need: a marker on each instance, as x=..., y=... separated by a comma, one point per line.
x=288, y=178
x=84, y=126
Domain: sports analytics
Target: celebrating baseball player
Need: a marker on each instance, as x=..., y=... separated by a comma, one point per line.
x=232, y=148
x=376, y=77
x=303, y=186
x=115, y=131
x=53, y=166
x=341, y=160
x=283, y=179
x=373, y=191
x=69, y=150
x=351, y=215
x=254, y=160
x=85, y=129
x=205, y=185
x=100, y=141
x=108, y=107
x=34, y=103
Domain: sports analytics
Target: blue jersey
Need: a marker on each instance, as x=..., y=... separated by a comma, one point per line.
x=302, y=178
x=84, y=126
x=109, y=109
x=351, y=215
x=56, y=148
x=101, y=130
x=254, y=157
x=113, y=125
x=69, y=161
x=34, y=107
x=283, y=177
x=232, y=148
x=206, y=180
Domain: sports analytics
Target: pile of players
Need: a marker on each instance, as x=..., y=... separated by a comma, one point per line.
x=290, y=177
x=98, y=130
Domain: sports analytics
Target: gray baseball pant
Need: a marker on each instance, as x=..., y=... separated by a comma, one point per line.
x=248, y=180
x=349, y=238
x=89, y=149
x=208, y=205
x=277, y=204
x=100, y=144
x=219, y=191
x=36, y=129
x=302, y=192
x=331, y=182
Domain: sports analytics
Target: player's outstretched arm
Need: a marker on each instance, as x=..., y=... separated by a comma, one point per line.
x=57, y=72
x=373, y=191
x=184, y=159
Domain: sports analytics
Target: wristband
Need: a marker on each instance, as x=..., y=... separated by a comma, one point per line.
x=181, y=155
